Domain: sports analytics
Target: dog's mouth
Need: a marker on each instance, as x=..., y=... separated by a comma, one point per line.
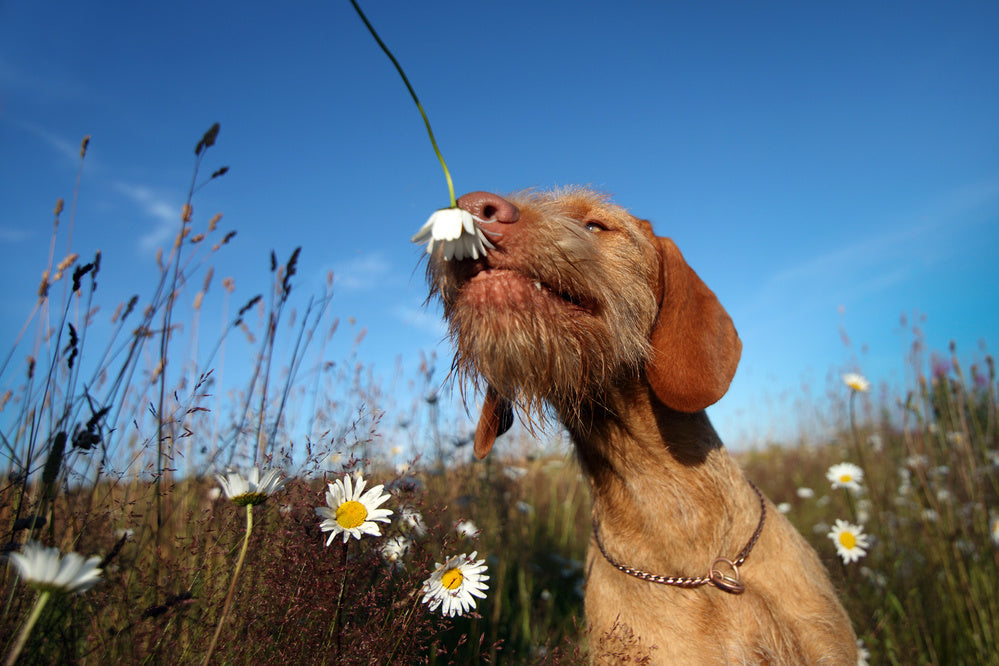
x=492, y=287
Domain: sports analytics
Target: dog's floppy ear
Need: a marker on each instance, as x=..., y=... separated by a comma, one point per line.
x=695, y=346
x=496, y=419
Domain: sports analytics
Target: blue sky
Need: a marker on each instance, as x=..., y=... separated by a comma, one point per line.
x=826, y=168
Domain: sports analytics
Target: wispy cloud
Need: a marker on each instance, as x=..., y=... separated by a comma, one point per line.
x=51, y=86
x=162, y=214
x=881, y=261
x=68, y=150
x=363, y=272
x=421, y=319
x=8, y=235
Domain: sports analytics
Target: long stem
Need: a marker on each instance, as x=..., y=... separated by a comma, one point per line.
x=337, y=627
x=398, y=67
x=854, y=432
x=232, y=586
x=22, y=638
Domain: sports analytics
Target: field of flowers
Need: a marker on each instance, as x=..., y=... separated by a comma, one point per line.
x=147, y=521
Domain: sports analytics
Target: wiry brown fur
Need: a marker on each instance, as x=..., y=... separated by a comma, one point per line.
x=582, y=308
x=534, y=347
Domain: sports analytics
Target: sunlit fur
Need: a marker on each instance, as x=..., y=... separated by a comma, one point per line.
x=535, y=346
x=628, y=346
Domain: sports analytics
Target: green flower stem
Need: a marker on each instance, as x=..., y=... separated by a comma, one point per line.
x=22, y=638
x=232, y=586
x=398, y=67
x=337, y=624
x=851, y=507
x=856, y=434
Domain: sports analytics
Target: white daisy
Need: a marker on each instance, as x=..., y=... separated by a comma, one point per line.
x=514, y=473
x=456, y=231
x=395, y=549
x=350, y=512
x=784, y=507
x=46, y=569
x=454, y=583
x=467, y=529
x=862, y=654
x=856, y=382
x=412, y=520
x=805, y=493
x=850, y=541
x=845, y=475
x=251, y=489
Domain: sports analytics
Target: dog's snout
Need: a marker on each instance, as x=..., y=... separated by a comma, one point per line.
x=489, y=207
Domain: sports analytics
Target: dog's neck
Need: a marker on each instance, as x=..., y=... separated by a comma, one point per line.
x=669, y=496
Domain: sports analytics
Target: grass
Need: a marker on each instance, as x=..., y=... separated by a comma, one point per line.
x=111, y=450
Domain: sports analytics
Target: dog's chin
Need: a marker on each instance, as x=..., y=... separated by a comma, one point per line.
x=531, y=344
x=496, y=290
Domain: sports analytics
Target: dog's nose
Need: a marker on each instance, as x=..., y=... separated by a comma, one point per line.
x=489, y=207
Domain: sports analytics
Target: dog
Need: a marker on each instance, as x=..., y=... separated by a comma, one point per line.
x=579, y=311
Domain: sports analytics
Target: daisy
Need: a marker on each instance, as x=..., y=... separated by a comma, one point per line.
x=845, y=475
x=412, y=520
x=856, y=382
x=454, y=583
x=467, y=529
x=850, y=541
x=862, y=654
x=456, y=231
x=50, y=573
x=45, y=569
x=251, y=489
x=246, y=491
x=350, y=512
x=805, y=493
x=395, y=549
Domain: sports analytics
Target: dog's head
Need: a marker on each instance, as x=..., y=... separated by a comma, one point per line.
x=576, y=296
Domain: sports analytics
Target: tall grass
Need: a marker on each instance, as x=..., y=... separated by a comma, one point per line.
x=110, y=450
x=925, y=593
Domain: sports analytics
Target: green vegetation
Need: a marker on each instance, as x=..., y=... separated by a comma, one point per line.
x=112, y=453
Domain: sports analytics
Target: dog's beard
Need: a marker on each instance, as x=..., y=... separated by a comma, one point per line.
x=534, y=353
x=555, y=320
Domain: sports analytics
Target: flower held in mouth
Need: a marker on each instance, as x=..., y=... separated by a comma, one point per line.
x=456, y=230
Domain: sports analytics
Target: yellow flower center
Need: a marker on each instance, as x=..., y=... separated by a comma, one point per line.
x=848, y=540
x=351, y=514
x=452, y=579
x=845, y=478
x=249, y=498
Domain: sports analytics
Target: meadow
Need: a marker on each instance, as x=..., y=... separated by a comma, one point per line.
x=111, y=451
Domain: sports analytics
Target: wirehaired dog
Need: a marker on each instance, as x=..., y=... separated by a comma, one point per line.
x=580, y=310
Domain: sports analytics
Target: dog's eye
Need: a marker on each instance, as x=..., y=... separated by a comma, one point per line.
x=594, y=226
